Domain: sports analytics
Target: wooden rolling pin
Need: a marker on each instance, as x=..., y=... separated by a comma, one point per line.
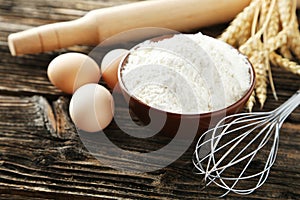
x=97, y=25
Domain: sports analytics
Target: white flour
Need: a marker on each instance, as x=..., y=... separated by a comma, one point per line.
x=187, y=74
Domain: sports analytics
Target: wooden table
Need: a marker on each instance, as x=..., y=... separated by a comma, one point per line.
x=41, y=154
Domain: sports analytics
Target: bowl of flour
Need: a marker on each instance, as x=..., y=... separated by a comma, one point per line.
x=185, y=81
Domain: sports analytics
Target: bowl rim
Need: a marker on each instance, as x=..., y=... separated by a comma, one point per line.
x=246, y=96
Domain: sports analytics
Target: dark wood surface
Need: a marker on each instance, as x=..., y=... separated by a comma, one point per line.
x=42, y=156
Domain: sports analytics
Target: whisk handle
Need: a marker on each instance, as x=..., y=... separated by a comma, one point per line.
x=288, y=107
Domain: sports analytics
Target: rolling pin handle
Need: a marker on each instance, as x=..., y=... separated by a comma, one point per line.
x=53, y=36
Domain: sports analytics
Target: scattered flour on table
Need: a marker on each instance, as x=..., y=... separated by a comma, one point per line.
x=186, y=74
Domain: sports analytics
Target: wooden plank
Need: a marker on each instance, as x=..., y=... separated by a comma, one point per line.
x=42, y=156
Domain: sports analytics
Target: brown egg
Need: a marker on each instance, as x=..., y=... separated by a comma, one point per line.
x=92, y=108
x=70, y=71
x=109, y=67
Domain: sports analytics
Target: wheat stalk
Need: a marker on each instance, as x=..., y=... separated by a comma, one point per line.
x=265, y=6
x=294, y=41
x=285, y=63
x=264, y=28
x=271, y=32
x=285, y=12
x=236, y=28
x=258, y=61
x=285, y=9
x=251, y=102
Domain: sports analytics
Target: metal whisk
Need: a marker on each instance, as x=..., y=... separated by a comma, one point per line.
x=238, y=153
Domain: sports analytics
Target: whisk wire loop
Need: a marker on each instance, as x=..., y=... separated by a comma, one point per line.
x=249, y=135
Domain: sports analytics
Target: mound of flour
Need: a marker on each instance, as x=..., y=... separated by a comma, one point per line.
x=186, y=74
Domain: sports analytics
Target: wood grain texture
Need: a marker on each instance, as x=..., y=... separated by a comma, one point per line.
x=42, y=156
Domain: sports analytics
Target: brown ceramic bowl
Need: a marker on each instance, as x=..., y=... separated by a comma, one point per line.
x=173, y=121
